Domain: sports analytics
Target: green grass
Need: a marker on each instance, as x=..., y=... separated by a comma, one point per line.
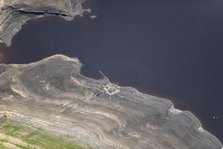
x=23, y=147
x=49, y=142
x=2, y=146
x=35, y=137
x=11, y=129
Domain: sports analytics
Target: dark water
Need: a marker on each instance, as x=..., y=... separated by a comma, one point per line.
x=171, y=49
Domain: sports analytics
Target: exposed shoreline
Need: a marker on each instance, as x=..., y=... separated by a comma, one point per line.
x=14, y=14
x=15, y=91
x=125, y=119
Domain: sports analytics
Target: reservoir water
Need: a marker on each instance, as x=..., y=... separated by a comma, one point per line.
x=171, y=49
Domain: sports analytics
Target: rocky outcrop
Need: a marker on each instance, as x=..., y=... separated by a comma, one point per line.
x=15, y=13
x=54, y=95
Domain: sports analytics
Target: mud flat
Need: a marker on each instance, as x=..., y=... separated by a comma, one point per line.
x=15, y=13
x=53, y=95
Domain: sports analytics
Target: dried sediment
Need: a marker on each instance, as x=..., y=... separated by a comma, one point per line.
x=15, y=13
x=54, y=95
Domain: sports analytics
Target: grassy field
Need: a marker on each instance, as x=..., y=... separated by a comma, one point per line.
x=17, y=136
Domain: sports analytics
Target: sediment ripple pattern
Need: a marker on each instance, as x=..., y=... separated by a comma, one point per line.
x=15, y=13
x=54, y=95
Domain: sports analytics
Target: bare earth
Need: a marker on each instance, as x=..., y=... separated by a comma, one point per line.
x=15, y=13
x=53, y=95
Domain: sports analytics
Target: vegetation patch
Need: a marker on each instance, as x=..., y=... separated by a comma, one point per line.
x=32, y=138
x=11, y=129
